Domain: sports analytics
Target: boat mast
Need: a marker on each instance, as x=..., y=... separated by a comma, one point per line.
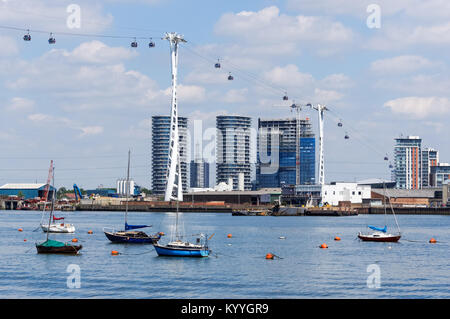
x=53, y=199
x=127, y=188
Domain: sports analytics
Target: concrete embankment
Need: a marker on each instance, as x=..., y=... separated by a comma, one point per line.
x=406, y=210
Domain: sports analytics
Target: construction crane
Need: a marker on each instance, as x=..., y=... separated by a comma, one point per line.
x=47, y=186
x=77, y=192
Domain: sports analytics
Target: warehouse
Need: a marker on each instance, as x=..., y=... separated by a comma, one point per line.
x=27, y=191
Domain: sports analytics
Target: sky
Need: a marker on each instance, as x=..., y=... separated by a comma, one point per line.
x=381, y=68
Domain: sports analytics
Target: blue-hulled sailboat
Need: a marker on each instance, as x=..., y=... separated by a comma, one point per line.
x=180, y=248
x=130, y=235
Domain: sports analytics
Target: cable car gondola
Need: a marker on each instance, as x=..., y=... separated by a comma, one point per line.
x=346, y=136
x=217, y=65
x=151, y=44
x=230, y=77
x=386, y=158
x=51, y=40
x=27, y=37
x=340, y=123
x=285, y=97
x=134, y=43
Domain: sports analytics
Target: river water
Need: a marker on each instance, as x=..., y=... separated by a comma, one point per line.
x=237, y=268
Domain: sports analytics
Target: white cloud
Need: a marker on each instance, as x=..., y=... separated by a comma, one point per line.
x=8, y=46
x=52, y=15
x=91, y=130
x=97, y=52
x=337, y=81
x=270, y=30
x=420, y=107
x=20, y=104
x=401, y=64
x=289, y=76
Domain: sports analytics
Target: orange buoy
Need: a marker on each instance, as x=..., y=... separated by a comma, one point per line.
x=323, y=245
x=20, y=229
x=337, y=238
x=114, y=252
x=74, y=240
x=269, y=256
x=24, y=240
x=89, y=231
x=229, y=235
x=433, y=241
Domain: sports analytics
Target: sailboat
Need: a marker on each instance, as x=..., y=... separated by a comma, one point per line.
x=180, y=248
x=381, y=234
x=55, y=226
x=50, y=246
x=129, y=235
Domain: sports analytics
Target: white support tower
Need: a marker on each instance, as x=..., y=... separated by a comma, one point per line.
x=321, y=109
x=174, y=186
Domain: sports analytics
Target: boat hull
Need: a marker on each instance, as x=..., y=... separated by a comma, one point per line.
x=180, y=252
x=58, y=228
x=117, y=238
x=67, y=249
x=387, y=239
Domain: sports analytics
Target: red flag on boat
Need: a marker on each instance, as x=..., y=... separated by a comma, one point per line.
x=57, y=218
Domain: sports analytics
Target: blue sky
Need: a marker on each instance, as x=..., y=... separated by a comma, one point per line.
x=85, y=100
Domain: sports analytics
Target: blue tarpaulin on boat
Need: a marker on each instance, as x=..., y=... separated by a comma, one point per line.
x=128, y=227
x=378, y=228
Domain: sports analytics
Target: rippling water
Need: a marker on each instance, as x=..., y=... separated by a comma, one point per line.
x=412, y=268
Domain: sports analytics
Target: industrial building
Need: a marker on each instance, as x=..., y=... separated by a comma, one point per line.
x=160, y=152
x=233, y=150
x=410, y=197
x=259, y=197
x=327, y=194
x=28, y=191
x=277, y=148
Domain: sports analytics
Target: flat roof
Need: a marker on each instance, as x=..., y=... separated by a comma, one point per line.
x=258, y=192
x=22, y=186
x=407, y=193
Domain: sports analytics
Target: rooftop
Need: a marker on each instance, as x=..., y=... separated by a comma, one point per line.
x=407, y=193
x=22, y=186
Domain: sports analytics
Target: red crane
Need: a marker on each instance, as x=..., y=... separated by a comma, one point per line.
x=47, y=186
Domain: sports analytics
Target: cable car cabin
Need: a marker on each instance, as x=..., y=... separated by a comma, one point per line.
x=217, y=65
x=285, y=98
x=134, y=44
x=51, y=40
x=151, y=44
x=346, y=137
x=27, y=37
x=386, y=158
x=391, y=166
x=340, y=124
x=230, y=77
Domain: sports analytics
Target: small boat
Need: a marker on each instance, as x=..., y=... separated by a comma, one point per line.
x=129, y=235
x=50, y=246
x=381, y=234
x=56, y=247
x=180, y=248
x=58, y=227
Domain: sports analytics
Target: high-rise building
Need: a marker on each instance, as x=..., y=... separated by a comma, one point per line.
x=199, y=171
x=233, y=150
x=279, y=136
x=160, y=152
x=439, y=174
x=408, y=162
x=430, y=158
